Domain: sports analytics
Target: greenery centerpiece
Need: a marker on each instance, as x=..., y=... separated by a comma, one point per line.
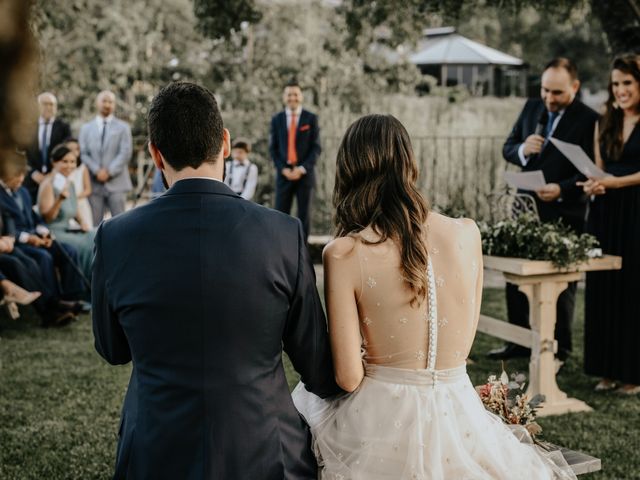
x=527, y=237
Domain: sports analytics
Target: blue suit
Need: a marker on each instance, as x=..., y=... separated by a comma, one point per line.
x=22, y=219
x=307, y=148
x=202, y=291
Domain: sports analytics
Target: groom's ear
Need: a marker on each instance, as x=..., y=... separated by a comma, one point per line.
x=226, y=143
x=156, y=155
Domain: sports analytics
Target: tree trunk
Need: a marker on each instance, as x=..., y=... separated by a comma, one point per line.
x=620, y=21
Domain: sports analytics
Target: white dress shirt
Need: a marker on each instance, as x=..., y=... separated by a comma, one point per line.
x=297, y=111
x=524, y=160
x=102, y=120
x=41, y=126
x=242, y=178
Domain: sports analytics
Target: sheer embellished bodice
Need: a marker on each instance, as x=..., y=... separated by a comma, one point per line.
x=415, y=414
x=394, y=333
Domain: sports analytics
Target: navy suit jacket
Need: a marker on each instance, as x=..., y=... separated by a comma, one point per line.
x=575, y=126
x=202, y=290
x=307, y=141
x=22, y=219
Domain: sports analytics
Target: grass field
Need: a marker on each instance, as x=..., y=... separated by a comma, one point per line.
x=60, y=403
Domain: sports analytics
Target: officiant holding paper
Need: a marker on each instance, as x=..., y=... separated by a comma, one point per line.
x=558, y=114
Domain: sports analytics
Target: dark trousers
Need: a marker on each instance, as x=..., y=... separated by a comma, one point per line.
x=50, y=259
x=302, y=190
x=518, y=312
x=24, y=272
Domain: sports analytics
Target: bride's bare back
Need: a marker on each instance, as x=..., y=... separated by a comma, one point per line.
x=369, y=303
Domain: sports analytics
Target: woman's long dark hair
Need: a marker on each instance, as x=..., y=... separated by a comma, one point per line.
x=376, y=185
x=611, y=123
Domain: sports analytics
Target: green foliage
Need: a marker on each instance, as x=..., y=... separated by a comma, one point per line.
x=551, y=27
x=403, y=20
x=220, y=18
x=538, y=35
x=527, y=237
x=132, y=48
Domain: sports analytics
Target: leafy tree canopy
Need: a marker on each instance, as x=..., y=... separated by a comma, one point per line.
x=220, y=18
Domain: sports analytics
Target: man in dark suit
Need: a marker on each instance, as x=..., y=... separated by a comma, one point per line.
x=202, y=290
x=35, y=240
x=52, y=131
x=294, y=146
x=559, y=114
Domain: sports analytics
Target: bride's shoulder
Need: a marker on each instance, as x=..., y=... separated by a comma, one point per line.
x=441, y=227
x=339, y=248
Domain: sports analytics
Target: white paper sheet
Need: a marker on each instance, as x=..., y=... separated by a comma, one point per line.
x=525, y=180
x=579, y=158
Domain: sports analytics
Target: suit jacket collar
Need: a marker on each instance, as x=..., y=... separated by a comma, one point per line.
x=567, y=119
x=200, y=185
x=304, y=117
x=10, y=206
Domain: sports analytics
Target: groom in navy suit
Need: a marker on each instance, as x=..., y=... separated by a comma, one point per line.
x=202, y=290
x=294, y=146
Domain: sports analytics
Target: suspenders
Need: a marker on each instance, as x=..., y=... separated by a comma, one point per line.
x=246, y=175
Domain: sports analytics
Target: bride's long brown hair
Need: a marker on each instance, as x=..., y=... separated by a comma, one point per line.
x=376, y=185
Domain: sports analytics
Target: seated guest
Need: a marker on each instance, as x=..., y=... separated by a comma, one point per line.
x=17, y=267
x=82, y=183
x=241, y=175
x=34, y=239
x=58, y=206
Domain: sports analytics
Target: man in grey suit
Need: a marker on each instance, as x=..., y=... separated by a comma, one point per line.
x=106, y=146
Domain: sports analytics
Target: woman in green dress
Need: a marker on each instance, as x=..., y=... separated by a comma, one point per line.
x=58, y=205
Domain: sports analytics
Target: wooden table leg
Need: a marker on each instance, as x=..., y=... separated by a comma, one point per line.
x=543, y=295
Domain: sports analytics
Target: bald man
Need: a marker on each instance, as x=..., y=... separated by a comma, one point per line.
x=105, y=148
x=51, y=132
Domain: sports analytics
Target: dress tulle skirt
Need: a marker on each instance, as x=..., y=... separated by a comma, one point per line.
x=403, y=424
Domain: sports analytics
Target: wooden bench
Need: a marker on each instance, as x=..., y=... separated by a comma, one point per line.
x=580, y=463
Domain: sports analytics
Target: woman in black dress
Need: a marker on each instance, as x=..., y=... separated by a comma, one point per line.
x=612, y=310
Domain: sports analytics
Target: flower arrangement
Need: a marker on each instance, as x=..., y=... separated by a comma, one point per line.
x=507, y=399
x=527, y=237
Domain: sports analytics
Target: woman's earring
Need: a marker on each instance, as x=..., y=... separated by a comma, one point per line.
x=615, y=105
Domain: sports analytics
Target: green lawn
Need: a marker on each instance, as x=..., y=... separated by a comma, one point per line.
x=60, y=403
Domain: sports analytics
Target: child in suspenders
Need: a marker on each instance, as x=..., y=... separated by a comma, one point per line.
x=241, y=175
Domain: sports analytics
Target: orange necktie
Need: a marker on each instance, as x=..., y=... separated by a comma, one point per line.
x=292, y=156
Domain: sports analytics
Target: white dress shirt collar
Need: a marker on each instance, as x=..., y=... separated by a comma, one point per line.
x=6, y=188
x=100, y=119
x=41, y=120
x=198, y=178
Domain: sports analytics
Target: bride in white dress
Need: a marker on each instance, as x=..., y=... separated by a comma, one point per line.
x=403, y=289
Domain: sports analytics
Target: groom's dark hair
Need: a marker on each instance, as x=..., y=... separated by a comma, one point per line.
x=185, y=125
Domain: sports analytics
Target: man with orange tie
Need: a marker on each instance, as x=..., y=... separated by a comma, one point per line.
x=294, y=146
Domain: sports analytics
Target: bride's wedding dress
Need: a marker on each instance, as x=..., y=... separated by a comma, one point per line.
x=416, y=414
